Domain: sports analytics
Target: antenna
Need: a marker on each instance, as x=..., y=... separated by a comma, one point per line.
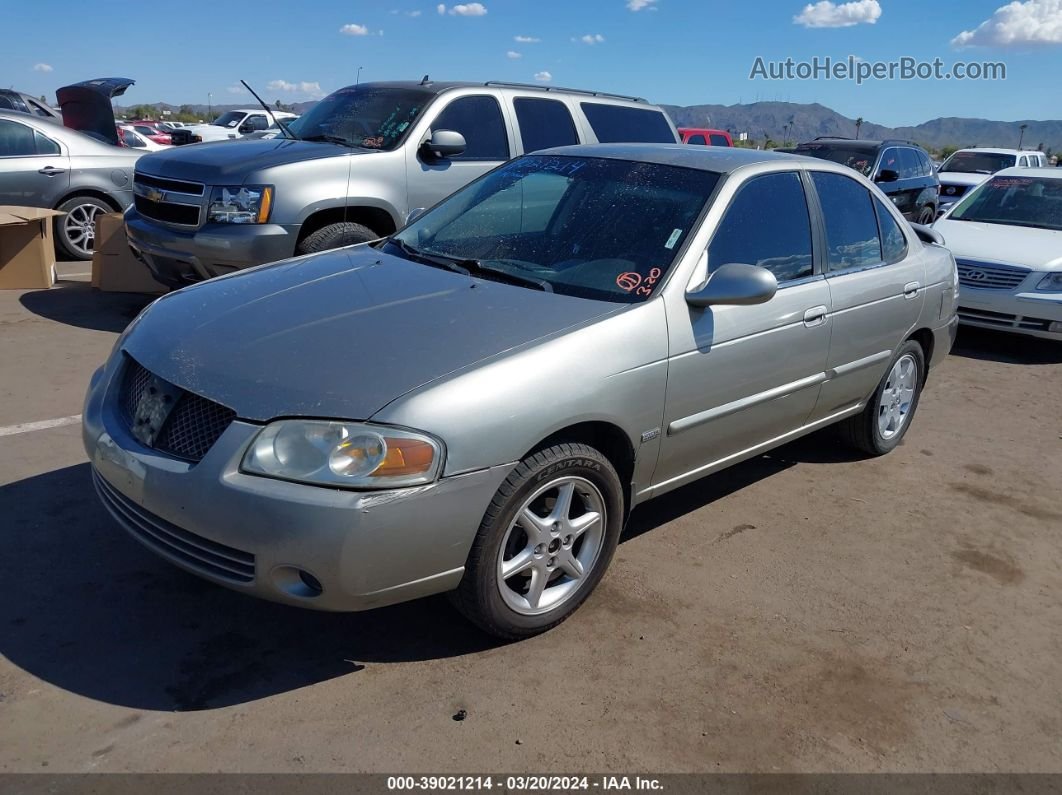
x=357, y=79
x=425, y=81
x=279, y=122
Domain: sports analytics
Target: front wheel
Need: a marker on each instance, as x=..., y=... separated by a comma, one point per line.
x=545, y=542
x=881, y=426
x=345, y=233
x=75, y=232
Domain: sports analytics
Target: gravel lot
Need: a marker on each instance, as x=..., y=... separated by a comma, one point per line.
x=805, y=611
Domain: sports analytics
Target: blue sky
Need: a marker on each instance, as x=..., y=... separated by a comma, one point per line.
x=680, y=52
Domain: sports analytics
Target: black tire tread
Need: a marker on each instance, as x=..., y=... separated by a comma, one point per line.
x=860, y=430
x=334, y=236
x=465, y=598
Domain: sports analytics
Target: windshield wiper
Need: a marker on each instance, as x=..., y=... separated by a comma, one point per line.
x=330, y=139
x=428, y=259
x=470, y=267
x=479, y=267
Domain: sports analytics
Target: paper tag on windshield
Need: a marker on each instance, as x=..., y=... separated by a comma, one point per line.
x=671, y=241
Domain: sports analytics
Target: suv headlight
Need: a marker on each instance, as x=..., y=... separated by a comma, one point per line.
x=1051, y=283
x=344, y=454
x=240, y=204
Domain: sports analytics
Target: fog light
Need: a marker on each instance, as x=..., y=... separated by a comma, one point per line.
x=1056, y=327
x=296, y=581
x=310, y=581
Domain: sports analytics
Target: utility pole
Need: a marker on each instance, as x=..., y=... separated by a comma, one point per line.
x=1022, y=136
x=210, y=107
x=357, y=79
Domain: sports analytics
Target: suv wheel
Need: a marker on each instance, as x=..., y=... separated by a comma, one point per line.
x=345, y=233
x=880, y=427
x=927, y=216
x=75, y=232
x=544, y=543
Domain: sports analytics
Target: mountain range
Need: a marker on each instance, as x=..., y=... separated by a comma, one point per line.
x=793, y=122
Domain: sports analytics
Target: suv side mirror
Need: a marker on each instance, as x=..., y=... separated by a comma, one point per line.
x=445, y=143
x=246, y=127
x=735, y=283
x=887, y=175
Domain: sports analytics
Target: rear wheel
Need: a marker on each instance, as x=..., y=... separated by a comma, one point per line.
x=881, y=426
x=75, y=232
x=928, y=215
x=545, y=542
x=344, y=233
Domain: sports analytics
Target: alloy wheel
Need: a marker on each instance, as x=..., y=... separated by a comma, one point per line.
x=79, y=226
x=897, y=398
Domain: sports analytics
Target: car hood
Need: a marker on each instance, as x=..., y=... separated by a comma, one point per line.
x=1039, y=249
x=86, y=106
x=339, y=334
x=213, y=163
x=961, y=178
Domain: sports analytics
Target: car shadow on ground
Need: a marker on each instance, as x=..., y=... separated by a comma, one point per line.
x=87, y=609
x=1001, y=346
x=77, y=304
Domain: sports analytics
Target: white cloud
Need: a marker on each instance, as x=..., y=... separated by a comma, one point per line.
x=312, y=89
x=42, y=67
x=354, y=30
x=512, y=55
x=543, y=77
x=591, y=38
x=463, y=9
x=1017, y=24
x=839, y=15
x=236, y=88
x=526, y=39
x=412, y=13
x=641, y=5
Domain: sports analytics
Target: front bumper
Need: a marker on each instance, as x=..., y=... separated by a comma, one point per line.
x=256, y=535
x=178, y=257
x=1019, y=312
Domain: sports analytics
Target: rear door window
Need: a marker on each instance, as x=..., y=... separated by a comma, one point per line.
x=544, y=123
x=620, y=124
x=852, y=238
x=697, y=139
x=479, y=120
x=719, y=140
x=16, y=140
x=910, y=167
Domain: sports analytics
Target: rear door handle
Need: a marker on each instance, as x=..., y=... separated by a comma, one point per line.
x=910, y=290
x=815, y=316
x=51, y=171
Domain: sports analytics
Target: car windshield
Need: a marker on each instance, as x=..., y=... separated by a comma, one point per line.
x=369, y=116
x=862, y=160
x=230, y=119
x=590, y=227
x=1015, y=201
x=978, y=163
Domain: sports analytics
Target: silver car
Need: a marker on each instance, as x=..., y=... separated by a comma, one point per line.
x=44, y=164
x=476, y=403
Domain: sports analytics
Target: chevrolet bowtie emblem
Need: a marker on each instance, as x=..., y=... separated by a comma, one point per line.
x=156, y=195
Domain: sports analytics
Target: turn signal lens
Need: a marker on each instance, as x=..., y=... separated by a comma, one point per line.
x=405, y=457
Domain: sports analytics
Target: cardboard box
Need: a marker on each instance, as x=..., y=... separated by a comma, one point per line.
x=114, y=268
x=27, y=249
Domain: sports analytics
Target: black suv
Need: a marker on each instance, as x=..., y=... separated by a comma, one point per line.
x=901, y=169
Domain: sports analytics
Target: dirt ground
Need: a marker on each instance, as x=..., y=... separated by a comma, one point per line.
x=806, y=611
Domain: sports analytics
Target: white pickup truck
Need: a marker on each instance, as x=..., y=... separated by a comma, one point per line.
x=232, y=124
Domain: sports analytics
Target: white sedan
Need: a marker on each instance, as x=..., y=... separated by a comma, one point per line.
x=1007, y=239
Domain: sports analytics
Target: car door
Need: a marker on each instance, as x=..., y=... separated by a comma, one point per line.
x=34, y=171
x=877, y=287
x=479, y=118
x=740, y=376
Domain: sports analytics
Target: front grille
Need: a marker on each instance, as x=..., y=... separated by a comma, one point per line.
x=990, y=277
x=181, y=137
x=194, y=551
x=175, y=185
x=1003, y=319
x=193, y=426
x=183, y=214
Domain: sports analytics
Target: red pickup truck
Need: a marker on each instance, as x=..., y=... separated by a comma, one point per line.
x=702, y=136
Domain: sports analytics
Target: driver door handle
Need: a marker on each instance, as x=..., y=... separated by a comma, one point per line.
x=51, y=171
x=910, y=290
x=815, y=316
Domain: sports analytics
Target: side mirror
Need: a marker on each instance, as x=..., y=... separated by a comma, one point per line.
x=888, y=175
x=735, y=283
x=246, y=128
x=445, y=143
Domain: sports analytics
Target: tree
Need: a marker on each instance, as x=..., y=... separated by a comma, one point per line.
x=859, y=126
x=948, y=150
x=43, y=100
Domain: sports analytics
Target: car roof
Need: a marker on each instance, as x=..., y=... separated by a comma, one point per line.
x=992, y=150
x=440, y=86
x=718, y=159
x=1019, y=171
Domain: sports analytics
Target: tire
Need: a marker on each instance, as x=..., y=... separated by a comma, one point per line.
x=881, y=426
x=345, y=233
x=550, y=549
x=927, y=216
x=75, y=232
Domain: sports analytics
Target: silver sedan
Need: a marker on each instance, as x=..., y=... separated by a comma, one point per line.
x=475, y=404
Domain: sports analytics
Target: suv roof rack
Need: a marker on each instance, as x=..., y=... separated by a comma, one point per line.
x=537, y=87
x=832, y=138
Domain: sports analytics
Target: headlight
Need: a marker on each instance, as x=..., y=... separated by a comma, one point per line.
x=353, y=455
x=1051, y=283
x=240, y=204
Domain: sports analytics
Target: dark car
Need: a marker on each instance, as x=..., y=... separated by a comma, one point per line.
x=24, y=103
x=901, y=169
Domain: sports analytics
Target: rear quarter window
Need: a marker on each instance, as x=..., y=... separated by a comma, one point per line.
x=720, y=140
x=613, y=124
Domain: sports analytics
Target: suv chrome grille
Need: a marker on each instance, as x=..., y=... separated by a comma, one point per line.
x=171, y=201
x=193, y=425
x=174, y=185
x=990, y=277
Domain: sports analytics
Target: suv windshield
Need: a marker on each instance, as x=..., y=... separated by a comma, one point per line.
x=978, y=163
x=230, y=119
x=1015, y=201
x=369, y=116
x=859, y=158
x=590, y=227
